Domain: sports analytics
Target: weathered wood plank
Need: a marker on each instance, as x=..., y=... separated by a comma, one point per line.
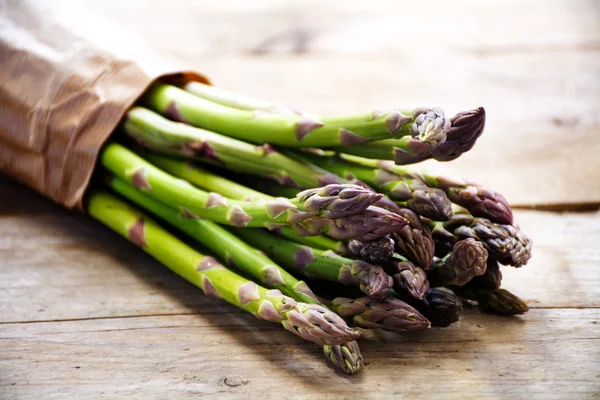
x=233, y=356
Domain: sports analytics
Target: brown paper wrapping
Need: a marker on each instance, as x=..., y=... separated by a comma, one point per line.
x=66, y=79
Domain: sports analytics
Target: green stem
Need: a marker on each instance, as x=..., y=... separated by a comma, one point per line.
x=317, y=263
x=214, y=279
x=172, y=138
x=387, y=149
x=211, y=182
x=179, y=193
x=260, y=127
x=226, y=246
x=235, y=100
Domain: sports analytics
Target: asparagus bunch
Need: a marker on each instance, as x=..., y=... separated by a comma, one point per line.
x=505, y=243
x=342, y=209
x=237, y=254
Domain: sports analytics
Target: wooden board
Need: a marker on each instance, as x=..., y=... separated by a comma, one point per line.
x=547, y=354
x=83, y=314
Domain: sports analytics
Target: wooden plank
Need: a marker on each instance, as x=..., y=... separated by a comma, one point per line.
x=234, y=356
x=565, y=268
x=68, y=266
x=358, y=27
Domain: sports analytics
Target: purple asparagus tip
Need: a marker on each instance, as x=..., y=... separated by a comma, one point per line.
x=501, y=301
x=345, y=357
x=409, y=280
x=466, y=127
x=376, y=284
x=390, y=314
x=442, y=307
x=338, y=200
x=376, y=251
x=431, y=203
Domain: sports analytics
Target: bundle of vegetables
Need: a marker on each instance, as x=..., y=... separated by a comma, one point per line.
x=276, y=195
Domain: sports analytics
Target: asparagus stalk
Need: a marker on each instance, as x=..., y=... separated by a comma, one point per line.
x=478, y=200
x=309, y=321
x=466, y=127
x=176, y=139
x=206, y=180
x=441, y=306
x=409, y=189
x=372, y=280
x=346, y=357
x=237, y=253
x=505, y=243
x=427, y=125
x=322, y=203
x=410, y=282
x=389, y=314
x=236, y=100
x=467, y=260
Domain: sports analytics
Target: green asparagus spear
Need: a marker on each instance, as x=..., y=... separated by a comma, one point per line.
x=329, y=201
x=498, y=301
x=236, y=252
x=235, y=100
x=414, y=241
x=426, y=125
x=309, y=321
x=502, y=302
x=441, y=306
x=375, y=252
x=490, y=280
x=176, y=139
x=226, y=246
x=371, y=279
x=410, y=281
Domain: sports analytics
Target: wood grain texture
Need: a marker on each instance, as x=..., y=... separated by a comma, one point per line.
x=84, y=314
x=234, y=356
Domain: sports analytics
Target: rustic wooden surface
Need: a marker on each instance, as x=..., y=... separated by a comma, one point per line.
x=83, y=314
